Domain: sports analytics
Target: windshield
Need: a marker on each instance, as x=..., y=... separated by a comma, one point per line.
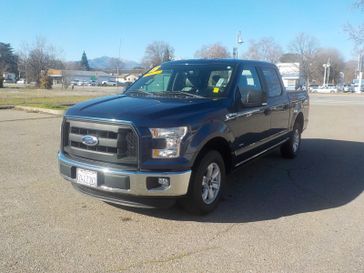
x=199, y=81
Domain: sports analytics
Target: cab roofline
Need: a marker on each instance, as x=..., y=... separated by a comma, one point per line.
x=215, y=61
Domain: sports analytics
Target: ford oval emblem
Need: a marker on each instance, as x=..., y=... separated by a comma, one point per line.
x=90, y=140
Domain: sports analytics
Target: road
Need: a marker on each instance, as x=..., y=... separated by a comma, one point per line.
x=301, y=215
x=337, y=99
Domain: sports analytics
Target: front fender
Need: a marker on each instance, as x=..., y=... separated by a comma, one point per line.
x=207, y=132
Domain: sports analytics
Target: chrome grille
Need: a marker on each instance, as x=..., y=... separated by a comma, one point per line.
x=116, y=143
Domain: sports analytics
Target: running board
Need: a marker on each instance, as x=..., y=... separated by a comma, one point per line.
x=262, y=152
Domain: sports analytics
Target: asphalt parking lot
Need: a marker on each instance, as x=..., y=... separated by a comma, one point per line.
x=302, y=215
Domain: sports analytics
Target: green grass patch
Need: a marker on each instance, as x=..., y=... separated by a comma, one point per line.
x=59, y=103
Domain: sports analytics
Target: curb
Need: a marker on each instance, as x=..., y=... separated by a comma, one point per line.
x=38, y=110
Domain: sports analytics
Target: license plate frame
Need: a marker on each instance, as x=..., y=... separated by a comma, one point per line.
x=86, y=177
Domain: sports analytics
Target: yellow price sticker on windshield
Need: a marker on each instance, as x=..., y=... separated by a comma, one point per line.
x=155, y=71
x=216, y=90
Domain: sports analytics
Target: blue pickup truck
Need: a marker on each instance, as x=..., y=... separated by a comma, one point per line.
x=176, y=133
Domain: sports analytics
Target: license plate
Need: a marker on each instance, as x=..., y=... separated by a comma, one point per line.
x=86, y=177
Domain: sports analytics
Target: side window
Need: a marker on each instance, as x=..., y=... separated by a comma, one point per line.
x=249, y=86
x=273, y=82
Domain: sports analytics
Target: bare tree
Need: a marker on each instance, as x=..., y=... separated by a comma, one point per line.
x=116, y=64
x=323, y=56
x=350, y=68
x=305, y=46
x=289, y=58
x=266, y=49
x=158, y=52
x=37, y=59
x=356, y=33
x=213, y=51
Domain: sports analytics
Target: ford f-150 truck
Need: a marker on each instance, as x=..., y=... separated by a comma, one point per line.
x=178, y=131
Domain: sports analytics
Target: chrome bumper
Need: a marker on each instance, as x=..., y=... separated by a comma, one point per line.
x=133, y=183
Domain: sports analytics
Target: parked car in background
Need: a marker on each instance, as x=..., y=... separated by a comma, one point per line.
x=82, y=83
x=325, y=89
x=21, y=81
x=9, y=81
x=348, y=88
x=108, y=83
x=92, y=83
x=356, y=88
x=312, y=86
x=74, y=82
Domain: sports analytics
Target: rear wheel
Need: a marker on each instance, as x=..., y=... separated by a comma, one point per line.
x=290, y=148
x=206, y=184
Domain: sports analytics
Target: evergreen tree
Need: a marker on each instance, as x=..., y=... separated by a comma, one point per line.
x=84, y=62
x=8, y=61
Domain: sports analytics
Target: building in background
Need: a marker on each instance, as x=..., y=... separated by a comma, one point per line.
x=56, y=75
x=9, y=77
x=66, y=77
x=291, y=75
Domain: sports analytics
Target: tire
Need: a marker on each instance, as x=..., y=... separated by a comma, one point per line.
x=291, y=148
x=205, y=191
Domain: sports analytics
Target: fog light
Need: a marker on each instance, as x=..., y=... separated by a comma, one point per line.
x=157, y=183
x=164, y=181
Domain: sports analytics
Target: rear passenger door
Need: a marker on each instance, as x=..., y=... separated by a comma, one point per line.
x=277, y=100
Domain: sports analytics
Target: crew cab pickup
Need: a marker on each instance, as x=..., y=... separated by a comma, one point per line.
x=178, y=131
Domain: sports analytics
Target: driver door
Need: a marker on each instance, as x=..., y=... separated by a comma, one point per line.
x=251, y=123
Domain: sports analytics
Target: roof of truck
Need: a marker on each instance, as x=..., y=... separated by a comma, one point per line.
x=217, y=61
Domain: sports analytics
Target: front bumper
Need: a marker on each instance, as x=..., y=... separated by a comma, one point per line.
x=117, y=186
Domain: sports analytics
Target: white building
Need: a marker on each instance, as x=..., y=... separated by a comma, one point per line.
x=9, y=77
x=67, y=76
x=291, y=75
x=129, y=77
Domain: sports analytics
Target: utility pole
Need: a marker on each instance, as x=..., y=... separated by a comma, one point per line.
x=118, y=62
x=360, y=74
x=328, y=71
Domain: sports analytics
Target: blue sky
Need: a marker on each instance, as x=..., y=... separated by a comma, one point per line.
x=98, y=26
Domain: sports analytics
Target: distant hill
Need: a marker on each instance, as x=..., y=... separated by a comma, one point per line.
x=105, y=63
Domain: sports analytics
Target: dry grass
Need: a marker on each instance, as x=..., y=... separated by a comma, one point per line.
x=52, y=99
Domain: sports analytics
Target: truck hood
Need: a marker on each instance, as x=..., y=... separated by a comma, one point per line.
x=147, y=111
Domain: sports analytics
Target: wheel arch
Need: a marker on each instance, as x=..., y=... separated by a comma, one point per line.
x=300, y=120
x=221, y=145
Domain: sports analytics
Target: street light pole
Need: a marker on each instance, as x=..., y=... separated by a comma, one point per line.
x=328, y=71
x=239, y=41
x=360, y=74
x=324, y=83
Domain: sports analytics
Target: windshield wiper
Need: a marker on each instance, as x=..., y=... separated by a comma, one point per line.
x=138, y=91
x=184, y=93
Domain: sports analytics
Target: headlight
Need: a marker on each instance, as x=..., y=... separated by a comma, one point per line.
x=172, y=138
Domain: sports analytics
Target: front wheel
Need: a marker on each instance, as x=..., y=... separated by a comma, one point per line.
x=206, y=184
x=290, y=148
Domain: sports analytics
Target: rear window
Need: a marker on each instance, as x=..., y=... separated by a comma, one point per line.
x=273, y=82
